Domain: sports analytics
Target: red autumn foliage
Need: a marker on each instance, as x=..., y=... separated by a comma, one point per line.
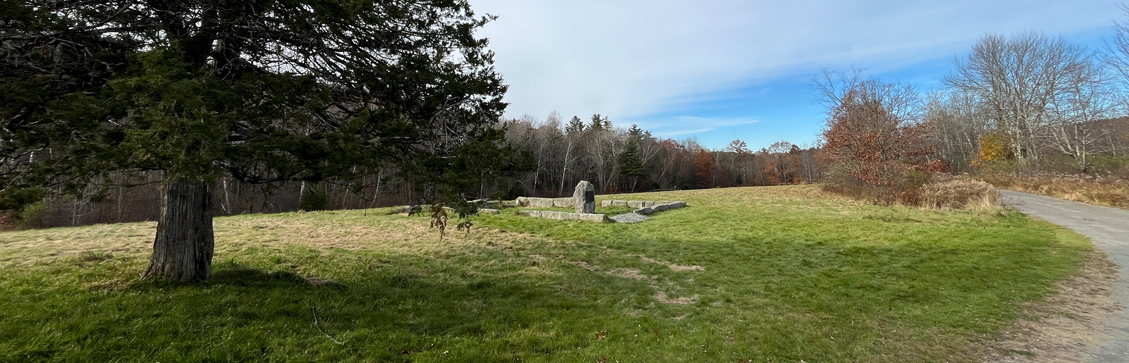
x=706, y=165
x=875, y=147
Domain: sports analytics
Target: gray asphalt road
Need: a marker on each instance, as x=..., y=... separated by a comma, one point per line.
x=1109, y=229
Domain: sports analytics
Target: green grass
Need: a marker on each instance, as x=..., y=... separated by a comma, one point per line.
x=762, y=274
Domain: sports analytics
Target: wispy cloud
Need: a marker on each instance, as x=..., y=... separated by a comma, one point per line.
x=633, y=58
x=685, y=125
x=672, y=134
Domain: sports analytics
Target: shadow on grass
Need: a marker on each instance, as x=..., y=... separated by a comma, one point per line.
x=234, y=275
x=379, y=313
x=501, y=305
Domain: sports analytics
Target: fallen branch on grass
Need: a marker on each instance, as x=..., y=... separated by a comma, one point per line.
x=315, y=311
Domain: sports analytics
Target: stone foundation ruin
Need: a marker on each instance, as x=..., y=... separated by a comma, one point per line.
x=584, y=202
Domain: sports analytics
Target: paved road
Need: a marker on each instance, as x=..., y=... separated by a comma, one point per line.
x=1109, y=229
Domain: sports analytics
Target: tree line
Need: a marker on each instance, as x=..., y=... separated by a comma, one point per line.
x=1021, y=103
x=624, y=160
x=548, y=159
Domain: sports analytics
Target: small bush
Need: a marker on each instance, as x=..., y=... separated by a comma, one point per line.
x=1111, y=164
x=959, y=193
x=902, y=186
x=33, y=215
x=314, y=199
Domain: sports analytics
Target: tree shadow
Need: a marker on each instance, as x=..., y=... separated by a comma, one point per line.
x=405, y=303
x=236, y=275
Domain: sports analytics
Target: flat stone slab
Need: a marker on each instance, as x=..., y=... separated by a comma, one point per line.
x=488, y=203
x=637, y=204
x=565, y=216
x=647, y=208
x=629, y=218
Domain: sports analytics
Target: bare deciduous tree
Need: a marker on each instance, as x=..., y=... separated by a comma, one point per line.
x=1073, y=128
x=1117, y=53
x=1019, y=79
x=960, y=120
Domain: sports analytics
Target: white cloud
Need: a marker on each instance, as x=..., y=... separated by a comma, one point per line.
x=684, y=125
x=629, y=58
x=676, y=133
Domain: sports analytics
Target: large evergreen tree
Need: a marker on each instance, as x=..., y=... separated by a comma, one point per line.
x=631, y=165
x=264, y=90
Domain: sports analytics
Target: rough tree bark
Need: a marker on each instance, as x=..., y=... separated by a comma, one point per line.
x=182, y=250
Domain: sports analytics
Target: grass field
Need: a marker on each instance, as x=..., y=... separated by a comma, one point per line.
x=776, y=274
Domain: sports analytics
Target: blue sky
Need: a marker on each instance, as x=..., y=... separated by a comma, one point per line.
x=722, y=70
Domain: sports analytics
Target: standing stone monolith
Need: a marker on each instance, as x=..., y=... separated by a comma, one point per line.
x=584, y=197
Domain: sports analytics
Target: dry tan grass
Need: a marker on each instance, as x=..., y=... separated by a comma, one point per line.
x=628, y=273
x=1099, y=190
x=351, y=230
x=960, y=193
x=34, y=246
x=661, y=297
x=672, y=266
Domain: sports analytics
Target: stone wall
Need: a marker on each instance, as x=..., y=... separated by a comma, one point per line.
x=534, y=202
x=644, y=207
x=564, y=216
x=632, y=203
x=659, y=207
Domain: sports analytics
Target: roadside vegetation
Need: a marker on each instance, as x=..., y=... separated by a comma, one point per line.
x=743, y=274
x=1109, y=190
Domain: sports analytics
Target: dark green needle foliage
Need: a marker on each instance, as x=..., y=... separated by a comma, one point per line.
x=263, y=90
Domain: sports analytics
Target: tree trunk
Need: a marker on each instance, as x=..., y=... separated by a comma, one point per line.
x=226, y=198
x=182, y=250
x=376, y=193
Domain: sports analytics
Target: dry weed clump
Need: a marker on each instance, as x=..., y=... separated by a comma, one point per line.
x=959, y=193
x=9, y=220
x=1110, y=191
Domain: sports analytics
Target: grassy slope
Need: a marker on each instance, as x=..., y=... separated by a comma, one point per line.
x=777, y=274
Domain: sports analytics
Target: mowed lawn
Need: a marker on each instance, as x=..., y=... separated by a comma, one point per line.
x=776, y=274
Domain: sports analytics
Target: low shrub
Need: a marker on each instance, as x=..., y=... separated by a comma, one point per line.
x=901, y=184
x=33, y=216
x=313, y=199
x=1111, y=164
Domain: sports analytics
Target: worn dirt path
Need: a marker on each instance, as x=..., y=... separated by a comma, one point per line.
x=1108, y=228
